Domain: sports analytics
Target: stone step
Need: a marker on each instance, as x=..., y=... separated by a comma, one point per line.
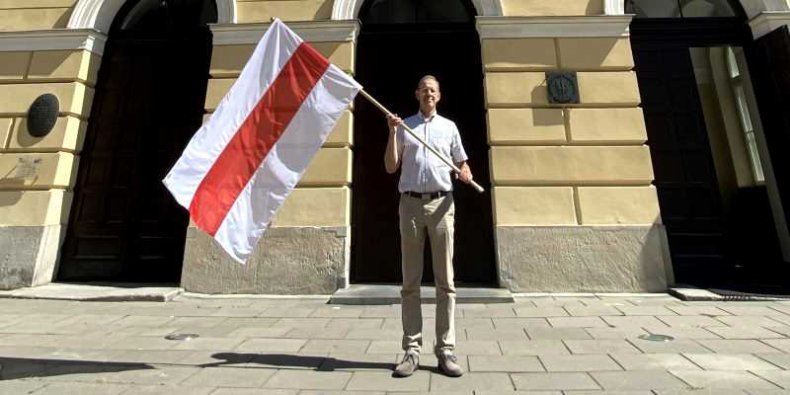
x=95, y=292
x=368, y=294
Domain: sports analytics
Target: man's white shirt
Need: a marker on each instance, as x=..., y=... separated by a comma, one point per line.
x=421, y=170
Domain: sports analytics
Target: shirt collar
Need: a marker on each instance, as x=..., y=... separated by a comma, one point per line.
x=429, y=118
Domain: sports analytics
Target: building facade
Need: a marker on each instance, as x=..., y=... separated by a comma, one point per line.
x=623, y=145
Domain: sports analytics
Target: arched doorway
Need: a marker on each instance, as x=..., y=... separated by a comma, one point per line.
x=400, y=41
x=718, y=220
x=149, y=100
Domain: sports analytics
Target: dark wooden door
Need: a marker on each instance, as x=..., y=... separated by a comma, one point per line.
x=685, y=177
x=769, y=61
x=124, y=226
x=451, y=52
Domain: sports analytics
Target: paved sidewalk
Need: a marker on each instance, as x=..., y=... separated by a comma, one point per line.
x=537, y=345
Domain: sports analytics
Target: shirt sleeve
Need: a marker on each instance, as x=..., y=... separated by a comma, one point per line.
x=400, y=140
x=456, y=147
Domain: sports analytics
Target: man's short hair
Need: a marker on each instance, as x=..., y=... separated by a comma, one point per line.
x=426, y=78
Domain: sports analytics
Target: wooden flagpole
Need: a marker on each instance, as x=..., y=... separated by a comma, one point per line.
x=446, y=161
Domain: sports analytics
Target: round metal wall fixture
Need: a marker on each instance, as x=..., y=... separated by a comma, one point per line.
x=42, y=115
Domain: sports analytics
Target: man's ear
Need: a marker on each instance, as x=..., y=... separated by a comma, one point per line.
x=417, y=94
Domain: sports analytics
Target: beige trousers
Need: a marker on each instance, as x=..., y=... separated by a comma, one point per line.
x=434, y=218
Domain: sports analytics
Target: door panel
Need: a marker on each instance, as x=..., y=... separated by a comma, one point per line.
x=124, y=226
x=685, y=177
x=448, y=53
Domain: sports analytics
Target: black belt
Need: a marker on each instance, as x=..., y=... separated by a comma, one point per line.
x=426, y=195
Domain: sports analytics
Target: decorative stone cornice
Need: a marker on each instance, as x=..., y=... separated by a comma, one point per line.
x=57, y=39
x=554, y=26
x=767, y=22
x=99, y=14
x=349, y=9
x=319, y=31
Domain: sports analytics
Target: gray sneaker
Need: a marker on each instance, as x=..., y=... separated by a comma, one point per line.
x=448, y=364
x=410, y=363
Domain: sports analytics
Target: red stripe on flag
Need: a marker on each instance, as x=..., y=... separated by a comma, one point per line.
x=267, y=121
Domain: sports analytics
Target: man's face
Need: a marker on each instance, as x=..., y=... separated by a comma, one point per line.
x=428, y=95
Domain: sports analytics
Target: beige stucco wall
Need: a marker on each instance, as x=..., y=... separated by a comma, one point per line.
x=256, y=11
x=69, y=75
x=583, y=164
x=25, y=15
x=551, y=8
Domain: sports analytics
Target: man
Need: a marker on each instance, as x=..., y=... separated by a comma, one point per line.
x=426, y=208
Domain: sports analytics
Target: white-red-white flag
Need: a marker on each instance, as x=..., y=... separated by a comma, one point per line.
x=246, y=159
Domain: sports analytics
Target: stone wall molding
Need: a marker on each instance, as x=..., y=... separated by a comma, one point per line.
x=553, y=26
x=318, y=31
x=349, y=9
x=52, y=40
x=99, y=14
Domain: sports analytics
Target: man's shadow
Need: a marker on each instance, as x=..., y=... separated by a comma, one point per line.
x=321, y=364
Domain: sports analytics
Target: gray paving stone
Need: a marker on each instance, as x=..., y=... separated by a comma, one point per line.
x=694, y=310
x=609, y=392
x=694, y=321
x=654, y=362
x=471, y=381
x=578, y=363
x=684, y=333
x=638, y=321
x=496, y=334
x=780, y=360
x=264, y=332
x=723, y=380
x=705, y=391
x=270, y=345
x=739, y=346
x=309, y=380
x=167, y=390
x=120, y=374
x=616, y=333
x=558, y=334
x=490, y=311
x=577, y=322
x=554, y=381
x=520, y=392
x=730, y=362
x=251, y=391
x=541, y=312
x=598, y=310
x=781, y=344
x=209, y=343
x=507, y=363
x=746, y=310
x=387, y=347
x=303, y=322
x=474, y=323
x=355, y=323
x=229, y=377
x=637, y=380
x=520, y=323
x=376, y=333
x=322, y=346
x=532, y=347
x=384, y=381
x=764, y=321
x=360, y=362
x=388, y=311
x=645, y=310
x=674, y=346
x=19, y=386
x=600, y=346
x=744, y=332
x=778, y=377
x=337, y=312
x=81, y=389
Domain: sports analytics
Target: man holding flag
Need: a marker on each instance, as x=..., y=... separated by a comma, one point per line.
x=426, y=208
